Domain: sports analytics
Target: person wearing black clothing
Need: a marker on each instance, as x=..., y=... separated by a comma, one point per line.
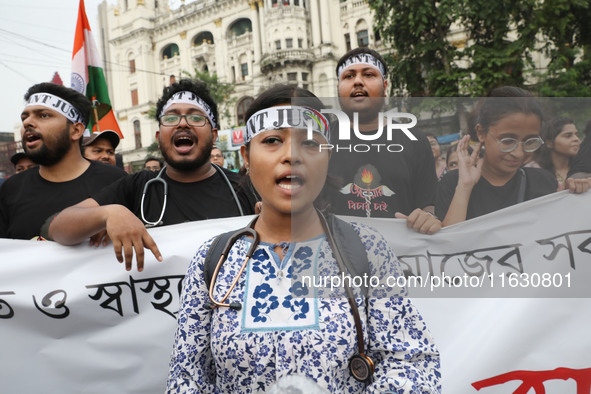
x=398, y=183
x=54, y=120
x=210, y=198
x=486, y=198
x=508, y=128
x=28, y=199
x=581, y=166
x=188, y=126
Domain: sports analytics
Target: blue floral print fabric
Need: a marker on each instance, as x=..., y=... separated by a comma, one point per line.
x=285, y=328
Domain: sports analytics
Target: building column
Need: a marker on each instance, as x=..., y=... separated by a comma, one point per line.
x=326, y=25
x=256, y=32
x=315, y=26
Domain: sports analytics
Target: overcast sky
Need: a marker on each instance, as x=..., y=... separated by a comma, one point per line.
x=36, y=40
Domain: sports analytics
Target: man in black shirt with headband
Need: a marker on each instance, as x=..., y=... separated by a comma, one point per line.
x=398, y=180
x=54, y=119
x=188, y=188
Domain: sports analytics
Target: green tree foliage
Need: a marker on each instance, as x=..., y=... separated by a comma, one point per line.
x=220, y=91
x=468, y=47
x=423, y=61
x=566, y=25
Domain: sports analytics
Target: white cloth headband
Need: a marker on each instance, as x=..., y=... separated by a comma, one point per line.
x=186, y=97
x=362, y=58
x=286, y=116
x=57, y=104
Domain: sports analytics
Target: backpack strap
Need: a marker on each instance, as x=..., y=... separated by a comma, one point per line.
x=353, y=253
x=213, y=255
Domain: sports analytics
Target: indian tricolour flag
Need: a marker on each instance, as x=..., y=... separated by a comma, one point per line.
x=88, y=77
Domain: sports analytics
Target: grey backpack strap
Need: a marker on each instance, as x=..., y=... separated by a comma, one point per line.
x=213, y=255
x=352, y=249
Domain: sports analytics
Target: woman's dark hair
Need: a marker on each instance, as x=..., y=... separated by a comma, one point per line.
x=199, y=88
x=282, y=94
x=543, y=156
x=587, y=129
x=502, y=102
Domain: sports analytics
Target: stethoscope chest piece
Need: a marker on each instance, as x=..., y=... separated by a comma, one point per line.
x=361, y=367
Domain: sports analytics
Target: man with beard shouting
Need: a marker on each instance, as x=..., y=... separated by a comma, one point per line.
x=54, y=120
x=188, y=188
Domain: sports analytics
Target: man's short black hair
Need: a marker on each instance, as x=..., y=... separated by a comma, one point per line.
x=77, y=99
x=362, y=51
x=152, y=158
x=195, y=86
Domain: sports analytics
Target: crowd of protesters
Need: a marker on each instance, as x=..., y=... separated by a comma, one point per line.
x=68, y=188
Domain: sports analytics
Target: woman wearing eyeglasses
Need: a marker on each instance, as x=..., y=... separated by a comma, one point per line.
x=508, y=131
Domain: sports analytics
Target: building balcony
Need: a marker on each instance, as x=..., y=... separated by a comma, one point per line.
x=279, y=59
x=281, y=11
x=205, y=51
x=352, y=8
x=244, y=40
x=172, y=62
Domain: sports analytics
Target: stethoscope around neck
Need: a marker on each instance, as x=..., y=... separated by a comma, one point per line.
x=361, y=365
x=160, y=179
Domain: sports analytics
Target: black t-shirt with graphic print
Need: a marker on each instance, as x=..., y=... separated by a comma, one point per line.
x=381, y=183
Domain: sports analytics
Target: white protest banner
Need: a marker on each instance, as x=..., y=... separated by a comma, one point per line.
x=73, y=320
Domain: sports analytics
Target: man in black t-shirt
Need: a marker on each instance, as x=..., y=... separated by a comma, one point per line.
x=387, y=176
x=54, y=120
x=196, y=190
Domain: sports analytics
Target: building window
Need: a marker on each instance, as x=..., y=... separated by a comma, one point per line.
x=292, y=77
x=376, y=34
x=170, y=51
x=241, y=110
x=244, y=70
x=204, y=37
x=304, y=77
x=240, y=27
x=289, y=42
x=300, y=43
x=278, y=44
x=347, y=42
x=137, y=133
x=134, y=98
x=132, y=66
x=296, y=2
x=362, y=38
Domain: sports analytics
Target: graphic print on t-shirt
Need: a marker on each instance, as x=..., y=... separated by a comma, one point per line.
x=366, y=191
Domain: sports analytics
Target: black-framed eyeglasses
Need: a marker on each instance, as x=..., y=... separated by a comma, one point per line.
x=509, y=144
x=175, y=119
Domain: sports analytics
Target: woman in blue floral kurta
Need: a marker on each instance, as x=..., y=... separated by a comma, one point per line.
x=284, y=326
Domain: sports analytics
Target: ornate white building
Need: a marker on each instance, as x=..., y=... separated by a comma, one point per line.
x=252, y=44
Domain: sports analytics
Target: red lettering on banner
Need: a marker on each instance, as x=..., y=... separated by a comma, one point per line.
x=535, y=380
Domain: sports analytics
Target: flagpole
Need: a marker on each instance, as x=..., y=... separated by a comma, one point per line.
x=96, y=118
